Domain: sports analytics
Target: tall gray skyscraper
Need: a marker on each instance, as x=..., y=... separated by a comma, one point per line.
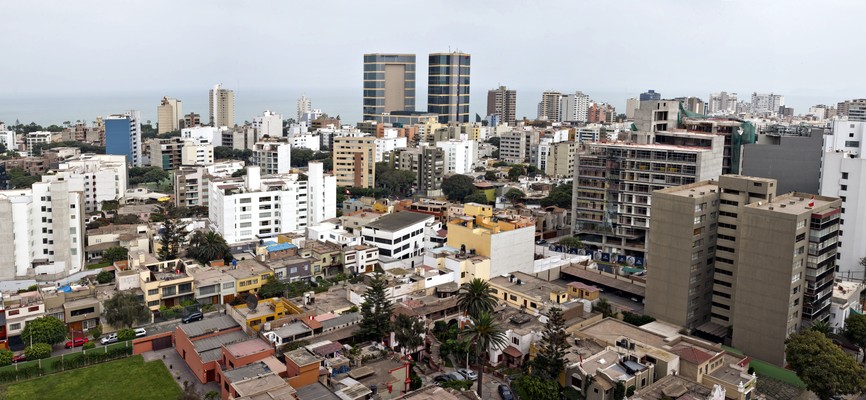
x=448, y=86
x=502, y=102
x=222, y=106
x=389, y=83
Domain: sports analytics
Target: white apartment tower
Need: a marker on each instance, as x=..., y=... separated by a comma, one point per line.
x=45, y=230
x=460, y=155
x=767, y=103
x=722, y=103
x=99, y=177
x=574, y=107
x=305, y=106
x=256, y=206
x=273, y=157
x=843, y=175
x=269, y=124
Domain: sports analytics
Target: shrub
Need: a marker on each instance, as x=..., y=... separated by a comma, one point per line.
x=636, y=319
x=96, y=332
x=104, y=277
x=125, y=334
x=5, y=357
x=37, y=351
x=89, y=345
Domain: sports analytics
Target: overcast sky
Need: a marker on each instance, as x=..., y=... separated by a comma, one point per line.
x=809, y=51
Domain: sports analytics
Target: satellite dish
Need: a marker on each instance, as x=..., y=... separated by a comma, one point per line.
x=252, y=301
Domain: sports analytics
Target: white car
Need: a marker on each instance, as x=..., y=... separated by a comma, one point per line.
x=468, y=374
x=112, y=338
x=139, y=332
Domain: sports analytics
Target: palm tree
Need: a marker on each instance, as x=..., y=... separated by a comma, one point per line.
x=476, y=297
x=485, y=333
x=208, y=246
x=821, y=326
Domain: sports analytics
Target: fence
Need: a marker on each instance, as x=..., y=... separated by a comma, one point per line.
x=64, y=362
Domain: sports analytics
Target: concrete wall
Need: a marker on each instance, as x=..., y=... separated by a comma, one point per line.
x=794, y=161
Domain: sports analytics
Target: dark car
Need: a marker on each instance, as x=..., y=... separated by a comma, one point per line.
x=505, y=393
x=19, y=358
x=196, y=316
x=438, y=380
x=541, y=242
x=78, y=342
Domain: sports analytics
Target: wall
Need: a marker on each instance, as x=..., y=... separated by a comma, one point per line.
x=794, y=161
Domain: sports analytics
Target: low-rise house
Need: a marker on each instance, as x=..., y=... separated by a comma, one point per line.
x=353, y=222
x=597, y=376
x=132, y=236
x=360, y=259
x=399, y=235
x=249, y=275
x=212, y=285
x=845, y=300
x=332, y=231
x=291, y=269
x=200, y=344
x=163, y=283
x=266, y=310
x=325, y=258
x=268, y=386
x=20, y=308
x=302, y=367
x=527, y=292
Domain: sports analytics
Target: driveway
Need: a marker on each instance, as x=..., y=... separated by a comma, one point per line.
x=179, y=370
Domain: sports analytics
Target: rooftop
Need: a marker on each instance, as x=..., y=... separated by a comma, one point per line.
x=248, y=347
x=246, y=269
x=399, y=220
x=210, y=348
x=691, y=189
x=208, y=325
x=302, y=357
x=247, y=371
x=527, y=285
x=292, y=329
x=260, y=385
x=609, y=330
x=316, y=391
x=794, y=203
x=672, y=386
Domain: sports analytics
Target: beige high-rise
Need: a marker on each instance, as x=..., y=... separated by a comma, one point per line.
x=222, y=107
x=729, y=257
x=355, y=161
x=169, y=115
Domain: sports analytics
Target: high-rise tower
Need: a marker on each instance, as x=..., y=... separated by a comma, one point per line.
x=448, y=86
x=389, y=83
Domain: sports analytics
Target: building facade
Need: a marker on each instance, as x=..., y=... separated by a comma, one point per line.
x=502, y=102
x=548, y=107
x=448, y=86
x=460, y=155
x=355, y=161
x=123, y=136
x=398, y=235
x=574, y=107
x=222, y=107
x=272, y=157
x=269, y=124
x=169, y=115
x=428, y=165
x=389, y=84
x=99, y=177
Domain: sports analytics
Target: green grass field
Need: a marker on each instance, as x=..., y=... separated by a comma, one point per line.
x=128, y=379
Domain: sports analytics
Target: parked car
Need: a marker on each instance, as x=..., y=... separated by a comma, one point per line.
x=456, y=376
x=78, y=342
x=112, y=338
x=505, y=393
x=196, y=316
x=19, y=358
x=440, y=379
x=139, y=332
x=468, y=374
x=541, y=242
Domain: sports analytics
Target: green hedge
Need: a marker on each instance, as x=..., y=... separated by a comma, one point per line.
x=32, y=369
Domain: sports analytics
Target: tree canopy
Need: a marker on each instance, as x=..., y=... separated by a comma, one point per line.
x=855, y=330
x=550, y=361
x=395, y=182
x=515, y=172
x=514, y=195
x=208, y=246
x=407, y=331
x=476, y=197
x=125, y=309
x=21, y=179
x=271, y=288
x=559, y=196
x=116, y=253
x=45, y=329
x=533, y=387
x=476, y=297
x=485, y=333
x=228, y=153
x=822, y=365
x=572, y=242
x=375, y=311
x=141, y=175
x=172, y=235
x=457, y=187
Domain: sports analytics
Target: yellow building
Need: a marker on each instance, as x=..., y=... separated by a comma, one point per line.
x=469, y=266
x=267, y=310
x=525, y=291
x=249, y=275
x=355, y=161
x=163, y=283
x=578, y=290
x=506, y=240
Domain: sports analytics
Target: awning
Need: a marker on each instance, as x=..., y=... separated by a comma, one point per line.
x=513, y=352
x=856, y=312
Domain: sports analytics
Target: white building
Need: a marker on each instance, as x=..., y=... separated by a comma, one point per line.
x=307, y=141
x=843, y=175
x=169, y=115
x=273, y=157
x=398, y=235
x=269, y=124
x=574, y=107
x=191, y=183
x=767, y=103
x=203, y=134
x=845, y=300
x=8, y=140
x=722, y=103
x=38, y=137
x=631, y=105
x=260, y=206
x=195, y=153
x=99, y=177
x=44, y=230
x=460, y=155
x=327, y=231
x=388, y=143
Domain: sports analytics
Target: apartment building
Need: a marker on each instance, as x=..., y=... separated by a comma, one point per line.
x=164, y=283
x=256, y=206
x=507, y=241
x=613, y=183
x=557, y=159
x=515, y=146
x=574, y=107
x=222, y=107
x=355, y=161
x=502, y=103
x=843, y=175
x=20, y=308
x=38, y=137
x=272, y=157
x=428, y=165
x=460, y=155
x=46, y=230
x=123, y=136
x=389, y=83
x=169, y=115
x=172, y=153
x=269, y=124
x=191, y=183
x=548, y=107
x=388, y=143
x=769, y=261
x=448, y=86
x=398, y=235
x=99, y=177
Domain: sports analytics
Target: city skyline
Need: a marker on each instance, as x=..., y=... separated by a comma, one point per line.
x=739, y=62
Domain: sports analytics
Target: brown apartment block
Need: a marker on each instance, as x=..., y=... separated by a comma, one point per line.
x=732, y=257
x=355, y=161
